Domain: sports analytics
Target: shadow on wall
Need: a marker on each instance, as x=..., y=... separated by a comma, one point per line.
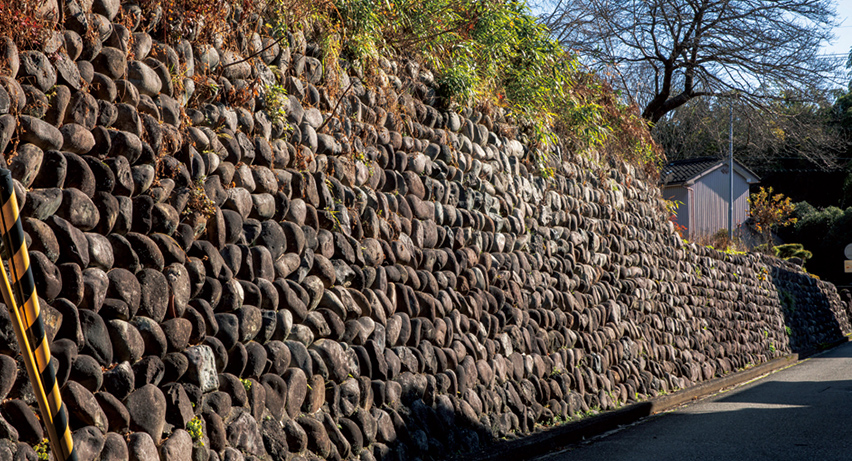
x=814, y=314
x=446, y=414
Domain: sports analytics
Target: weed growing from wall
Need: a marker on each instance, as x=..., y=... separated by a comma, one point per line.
x=42, y=450
x=275, y=97
x=492, y=54
x=25, y=23
x=195, y=429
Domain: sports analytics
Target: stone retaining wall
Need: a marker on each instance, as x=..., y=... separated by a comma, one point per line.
x=390, y=282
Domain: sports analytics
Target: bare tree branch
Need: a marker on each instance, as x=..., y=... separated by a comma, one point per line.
x=792, y=128
x=664, y=53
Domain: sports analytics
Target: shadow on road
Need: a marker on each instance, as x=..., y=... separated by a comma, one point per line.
x=801, y=413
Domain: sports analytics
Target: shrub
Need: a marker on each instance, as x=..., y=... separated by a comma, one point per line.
x=793, y=250
x=825, y=232
x=720, y=241
x=770, y=211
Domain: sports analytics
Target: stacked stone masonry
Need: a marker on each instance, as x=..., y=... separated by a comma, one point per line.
x=388, y=281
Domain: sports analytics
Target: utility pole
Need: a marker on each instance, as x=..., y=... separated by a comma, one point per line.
x=731, y=174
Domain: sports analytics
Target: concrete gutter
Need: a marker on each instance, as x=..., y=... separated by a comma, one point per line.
x=560, y=437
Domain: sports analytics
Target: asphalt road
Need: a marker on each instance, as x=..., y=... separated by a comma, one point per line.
x=801, y=413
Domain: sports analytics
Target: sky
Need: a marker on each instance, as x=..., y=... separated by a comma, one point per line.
x=840, y=47
x=843, y=42
x=843, y=33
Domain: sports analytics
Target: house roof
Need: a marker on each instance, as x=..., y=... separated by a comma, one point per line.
x=689, y=170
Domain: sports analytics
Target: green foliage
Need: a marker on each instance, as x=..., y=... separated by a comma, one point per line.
x=490, y=53
x=671, y=210
x=42, y=450
x=842, y=111
x=557, y=420
x=849, y=60
x=275, y=97
x=825, y=232
x=792, y=250
x=788, y=301
x=458, y=82
x=362, y=21
x=846, y=188
x=193, y=426
x=246, y=384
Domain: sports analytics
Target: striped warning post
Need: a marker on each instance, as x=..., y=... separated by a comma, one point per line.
x=19, y=294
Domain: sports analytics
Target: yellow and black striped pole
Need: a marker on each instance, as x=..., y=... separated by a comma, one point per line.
x=20, y=296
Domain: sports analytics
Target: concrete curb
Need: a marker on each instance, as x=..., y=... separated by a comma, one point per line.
x=559, y=437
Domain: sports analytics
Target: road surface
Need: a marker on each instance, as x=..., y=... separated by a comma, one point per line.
x=801, y=413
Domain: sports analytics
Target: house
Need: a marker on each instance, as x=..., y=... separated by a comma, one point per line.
x=701, y=188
